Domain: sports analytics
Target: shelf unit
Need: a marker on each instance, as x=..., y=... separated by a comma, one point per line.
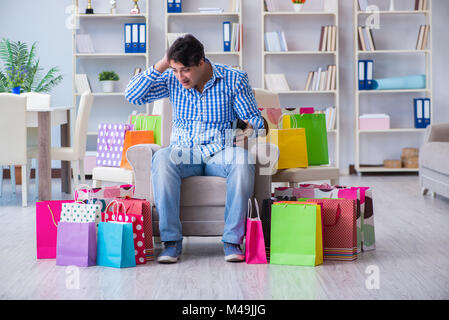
x=193, y=17
x=106, y=59
x=333, y=134
x=426, y=92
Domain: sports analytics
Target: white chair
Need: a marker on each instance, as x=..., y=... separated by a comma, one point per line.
x=13, y=136
x=75, y=154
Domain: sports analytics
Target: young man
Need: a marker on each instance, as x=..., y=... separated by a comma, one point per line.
x=206, y=99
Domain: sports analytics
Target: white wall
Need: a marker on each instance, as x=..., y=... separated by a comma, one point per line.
x=44, y=21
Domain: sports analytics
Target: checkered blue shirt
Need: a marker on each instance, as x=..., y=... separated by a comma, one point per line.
x=200, y=119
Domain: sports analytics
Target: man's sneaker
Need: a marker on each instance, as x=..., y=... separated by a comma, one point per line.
x=233, y=253
x=172, y=251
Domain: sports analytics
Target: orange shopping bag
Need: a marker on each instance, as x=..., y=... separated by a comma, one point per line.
x=131, y=139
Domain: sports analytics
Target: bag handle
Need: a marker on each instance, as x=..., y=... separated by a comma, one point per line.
x=337, y=217
x=52, y=216
x=118, y=203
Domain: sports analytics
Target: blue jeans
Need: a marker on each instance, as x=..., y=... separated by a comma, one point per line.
x=169, y=168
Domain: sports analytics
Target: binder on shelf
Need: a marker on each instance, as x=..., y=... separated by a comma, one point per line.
x=127, y=37
x=171, y=6
x=418, y=115
x=142, y=38
x=369, y=74
x=134, y=37
x=178, y=6
x=362, y=81
x=226, y=36
x=426, y=112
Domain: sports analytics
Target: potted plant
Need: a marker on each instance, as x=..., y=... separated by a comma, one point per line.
x=107, y=79
x=22, y=72
x=298, y=4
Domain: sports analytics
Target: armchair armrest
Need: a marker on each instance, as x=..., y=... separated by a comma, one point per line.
x=140, y=157
x=437, y=132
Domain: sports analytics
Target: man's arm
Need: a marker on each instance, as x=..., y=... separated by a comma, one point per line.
x=149, y=85
x=245, y=104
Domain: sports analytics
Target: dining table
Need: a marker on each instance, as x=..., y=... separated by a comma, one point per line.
x=44, y=119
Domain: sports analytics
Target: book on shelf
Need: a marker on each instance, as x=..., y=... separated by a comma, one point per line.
x=331, y=115
x=275, y=41
x=423, y=37
x=232, y=33
x=270, y=5
x=234, y=6
x=363, y=5
x=328, y=39
x=421, y=5
x=210, y=10
x=321, y=80
x=365, y=39
x=172, y=36
x=84, y=43
x=82, y=83
x=365, y=74
x=276, y=82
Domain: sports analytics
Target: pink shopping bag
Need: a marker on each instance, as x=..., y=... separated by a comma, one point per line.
x=48, y=214
x=255, y=244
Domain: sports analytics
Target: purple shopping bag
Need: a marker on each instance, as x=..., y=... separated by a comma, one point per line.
x=76, y=244
x=111, y=137
x=255, y=243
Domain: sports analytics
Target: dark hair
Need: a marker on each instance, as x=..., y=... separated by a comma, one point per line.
x=186, y=50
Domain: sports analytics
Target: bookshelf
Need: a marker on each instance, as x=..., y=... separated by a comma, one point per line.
x=106, y=32
x=300, y=59
x=192, y=21
x=388, y=54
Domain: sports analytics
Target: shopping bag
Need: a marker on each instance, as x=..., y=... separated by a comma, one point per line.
x=148, y=122
x=111, y=137
x=292, y=147
x=76, y=244
x=137, y=221
x=296, y=234
x=340, y=228
x=143, y=207
x=103, y=195
x=115, y=244
x=132, y=138
x=254, y=243
x=316, y=135
x=48, y=214
x=81, y=212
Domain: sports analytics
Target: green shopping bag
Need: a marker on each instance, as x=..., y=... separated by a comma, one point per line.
x=296, y=234
x=148, y=122
x=316, y=135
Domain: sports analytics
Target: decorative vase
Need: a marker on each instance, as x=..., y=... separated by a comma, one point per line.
x=298, y=7
x=108, y=86
x=15, y=90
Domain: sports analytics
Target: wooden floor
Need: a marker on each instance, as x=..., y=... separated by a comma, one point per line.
x=412, y=260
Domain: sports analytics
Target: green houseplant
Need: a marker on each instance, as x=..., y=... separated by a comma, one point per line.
x=20, y=68
x=107, y=79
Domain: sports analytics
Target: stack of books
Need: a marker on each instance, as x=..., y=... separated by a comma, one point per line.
x=331, y=115
x=423, y=36
x=135, y=37
x=328, y=39
x=366, y=40
x=365, y=71
x=422, y=112
x=234, y=5
x=276, y=82
x=275, y=41
x=420, y=5
x=322, y=80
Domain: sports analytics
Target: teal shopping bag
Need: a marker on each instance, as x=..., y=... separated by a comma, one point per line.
x=115, y=245
x=316, y=136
